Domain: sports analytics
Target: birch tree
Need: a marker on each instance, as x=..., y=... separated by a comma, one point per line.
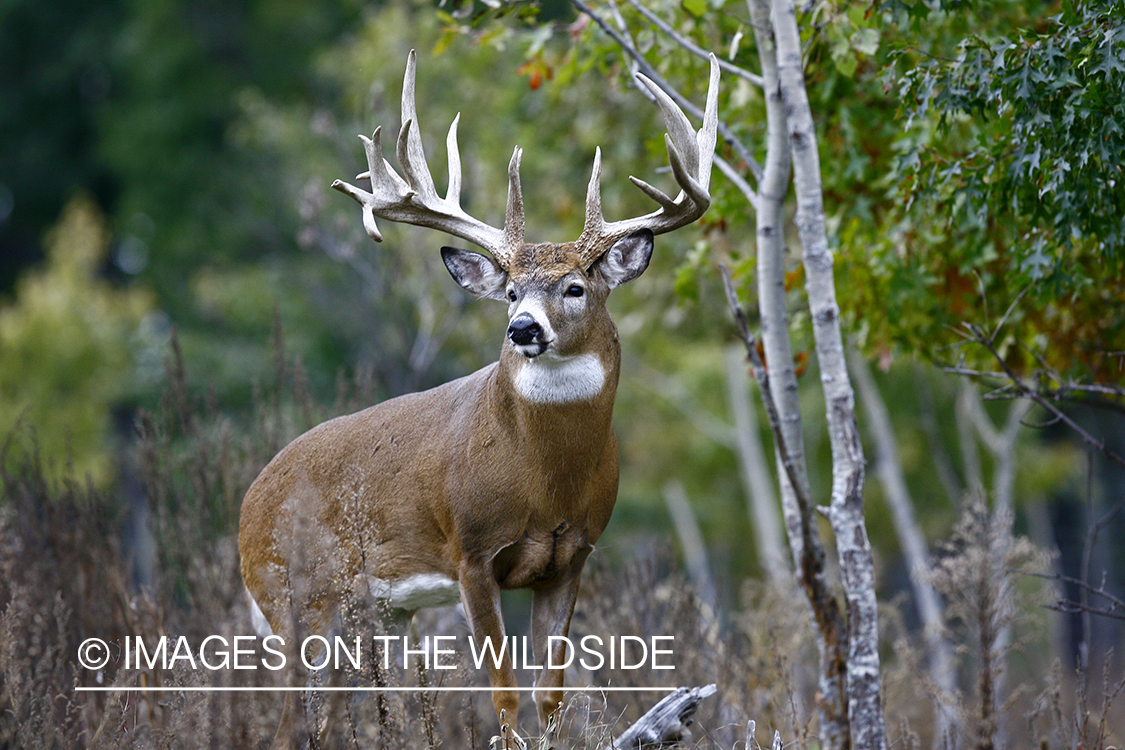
x=850, y=711
x=888, y=464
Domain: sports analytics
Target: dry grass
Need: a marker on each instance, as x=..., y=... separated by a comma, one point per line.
x=63, y=578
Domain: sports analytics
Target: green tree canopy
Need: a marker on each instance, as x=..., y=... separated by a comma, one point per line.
x=67, y=344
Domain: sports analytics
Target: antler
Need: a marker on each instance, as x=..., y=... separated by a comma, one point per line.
x=412, y=198
x=690, y=154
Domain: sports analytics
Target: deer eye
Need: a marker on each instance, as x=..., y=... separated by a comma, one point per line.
x=512, y=295
x=574, y=290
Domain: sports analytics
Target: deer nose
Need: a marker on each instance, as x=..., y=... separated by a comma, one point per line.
x=523, y=330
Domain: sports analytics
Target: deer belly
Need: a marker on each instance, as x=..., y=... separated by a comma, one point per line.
x=539, y=558
x=417, y=591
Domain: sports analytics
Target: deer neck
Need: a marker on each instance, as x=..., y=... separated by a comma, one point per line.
x=552, y=399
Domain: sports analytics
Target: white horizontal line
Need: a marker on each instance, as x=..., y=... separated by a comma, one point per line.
x=323, y=689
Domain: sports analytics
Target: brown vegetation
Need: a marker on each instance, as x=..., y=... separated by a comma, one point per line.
x=73, y=566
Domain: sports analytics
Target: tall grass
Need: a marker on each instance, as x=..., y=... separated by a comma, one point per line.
x=159, y=557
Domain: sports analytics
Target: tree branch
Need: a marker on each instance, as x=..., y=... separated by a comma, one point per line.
x=761, y=374
x=692, y=47
x=1022, y=389
x=650, y=72
x=1114, y=607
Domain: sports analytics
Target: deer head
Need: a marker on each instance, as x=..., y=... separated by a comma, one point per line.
x=504, y=478
x=530, y=276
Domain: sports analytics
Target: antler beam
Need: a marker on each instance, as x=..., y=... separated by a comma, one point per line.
x=412, y=198
x=690, y=154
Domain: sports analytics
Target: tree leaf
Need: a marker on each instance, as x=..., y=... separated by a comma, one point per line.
x=866, y=41
x=696, y=7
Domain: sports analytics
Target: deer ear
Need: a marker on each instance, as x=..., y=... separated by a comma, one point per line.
x=475, y=272
x=627, y=258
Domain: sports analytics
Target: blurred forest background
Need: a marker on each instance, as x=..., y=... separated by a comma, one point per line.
x=181, y=294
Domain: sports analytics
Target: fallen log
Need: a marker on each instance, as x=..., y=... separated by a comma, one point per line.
x=665, y=723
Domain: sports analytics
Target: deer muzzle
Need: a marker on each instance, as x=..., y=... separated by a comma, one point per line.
x=528, y=335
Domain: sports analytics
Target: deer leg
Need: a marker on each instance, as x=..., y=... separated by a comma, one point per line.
x=480, y=593
x=551, y=609
x=288, y=734
x=293, y=727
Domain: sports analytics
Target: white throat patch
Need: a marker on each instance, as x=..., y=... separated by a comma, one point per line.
x=550, y=380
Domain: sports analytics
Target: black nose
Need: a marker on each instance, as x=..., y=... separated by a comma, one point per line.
x=523, y=330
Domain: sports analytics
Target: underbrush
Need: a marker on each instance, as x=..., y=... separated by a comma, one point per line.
x=158, y=558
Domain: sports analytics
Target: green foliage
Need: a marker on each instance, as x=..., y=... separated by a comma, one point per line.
x=1048, y=107
x=183, y=70
x=64, y=345
x=853, y=35
x=1010, y=170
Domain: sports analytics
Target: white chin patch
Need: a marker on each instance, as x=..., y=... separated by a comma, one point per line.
x=531, y=350
x=560, y=380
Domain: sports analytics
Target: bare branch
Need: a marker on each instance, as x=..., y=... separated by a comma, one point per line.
x=650, y=72
x=1065, y=392
x=692, y=47
x=761, y=374
x=737, y=180
x=1023, y=389
x=1113, y=608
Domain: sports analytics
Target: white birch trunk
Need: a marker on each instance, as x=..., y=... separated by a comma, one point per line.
x=888, y=468
x=865, y=712
x=761, y=501
x=691, y=543
x=804, y=539
x=771, y=277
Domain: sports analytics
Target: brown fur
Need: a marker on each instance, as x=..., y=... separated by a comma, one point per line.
x=467, y=480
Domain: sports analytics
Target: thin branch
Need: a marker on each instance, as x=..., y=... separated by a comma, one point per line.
x=738, y=180
x=761, y=374
x=650, y=72
x=1008, y=312
x=1106, y=390
x=969, y=372
x=693, y=48
x=1114, y=608
x=1062, y=394
x=975, y=334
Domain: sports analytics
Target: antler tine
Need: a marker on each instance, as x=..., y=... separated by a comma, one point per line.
x=513, y=216
x=453, y=190
x=708, y=133
x=411, y=156
x=412, y=197
x=690, y=154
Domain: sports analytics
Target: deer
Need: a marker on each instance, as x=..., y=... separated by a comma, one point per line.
x=501, y=479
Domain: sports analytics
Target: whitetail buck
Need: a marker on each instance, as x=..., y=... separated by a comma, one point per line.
x=502, y=479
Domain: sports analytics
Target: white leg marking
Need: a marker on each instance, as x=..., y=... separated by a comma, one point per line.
x=417, y=591
x=257, y=619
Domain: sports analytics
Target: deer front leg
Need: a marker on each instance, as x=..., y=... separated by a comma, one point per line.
x=480, y=593
x=551, y=610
